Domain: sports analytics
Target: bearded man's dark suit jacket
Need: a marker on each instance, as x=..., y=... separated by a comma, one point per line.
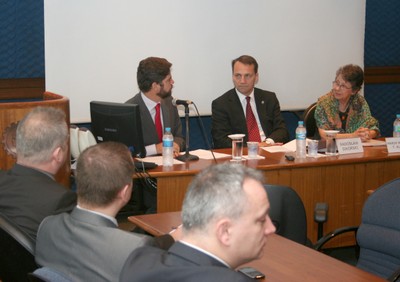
x=170, y=119
x=86, y=246
x=145, y=199
x=179, y=263
x=27, y=196
x=228, y=117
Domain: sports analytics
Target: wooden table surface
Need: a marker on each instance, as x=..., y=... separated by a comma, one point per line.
x=341, y=181
x=283, y=260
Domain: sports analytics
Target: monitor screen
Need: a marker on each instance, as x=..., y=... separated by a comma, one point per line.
x=118, y=122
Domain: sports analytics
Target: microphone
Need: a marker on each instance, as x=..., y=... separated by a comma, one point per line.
x=176, y=102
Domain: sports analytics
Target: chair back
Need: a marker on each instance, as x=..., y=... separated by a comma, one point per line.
x=379, y=232
x=309, y=121
x=287, y=213
x=17, y=252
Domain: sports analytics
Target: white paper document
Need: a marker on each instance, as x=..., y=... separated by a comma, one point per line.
x=373, y=143
x=207, y=155
x=287, y=147
x=158, y=160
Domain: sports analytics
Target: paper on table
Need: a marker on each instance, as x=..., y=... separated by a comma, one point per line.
x=206, y=154
x=157, y=160
x=373, y=143
x=254, y=158
x=287, y=147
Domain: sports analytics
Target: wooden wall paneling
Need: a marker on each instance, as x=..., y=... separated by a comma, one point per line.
x=11, y=113
x=382, y=75
x=22, y=88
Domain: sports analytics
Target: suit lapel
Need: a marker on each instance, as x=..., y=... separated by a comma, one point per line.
x=261, y=105
x=149, y=129
x=238, y=118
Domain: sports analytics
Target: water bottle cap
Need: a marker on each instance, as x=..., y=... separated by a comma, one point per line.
x=168, y=129
x=398, y=116
x=301, y=122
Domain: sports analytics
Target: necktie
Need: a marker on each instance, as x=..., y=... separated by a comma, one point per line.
x=157, y=122
x=252, y=128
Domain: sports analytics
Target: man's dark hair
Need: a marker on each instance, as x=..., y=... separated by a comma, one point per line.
x=151, y=70
x=247, y=60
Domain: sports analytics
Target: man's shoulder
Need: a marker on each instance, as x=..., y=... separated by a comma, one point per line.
x=152, y=263
x=259, y=91
x=134, y=100
x=226, y=96
x=28, y=178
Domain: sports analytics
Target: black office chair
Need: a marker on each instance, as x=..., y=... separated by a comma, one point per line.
x=16, y=252
x=309, y=122
x=378, y=236
x=288, y=214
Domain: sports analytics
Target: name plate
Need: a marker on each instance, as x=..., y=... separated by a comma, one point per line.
x=349, y=146
x=393, y=144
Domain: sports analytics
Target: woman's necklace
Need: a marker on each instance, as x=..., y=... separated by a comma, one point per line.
x=347, y=107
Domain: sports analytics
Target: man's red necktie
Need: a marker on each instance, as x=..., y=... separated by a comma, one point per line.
x=252, y=128
x=157, y=121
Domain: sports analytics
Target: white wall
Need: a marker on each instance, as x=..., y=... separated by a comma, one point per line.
x=93, y=47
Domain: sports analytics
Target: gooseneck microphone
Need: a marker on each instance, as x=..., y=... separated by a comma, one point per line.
x=187, y=157
x=176, y=102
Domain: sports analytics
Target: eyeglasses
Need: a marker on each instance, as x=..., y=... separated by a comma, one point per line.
x=341, y=86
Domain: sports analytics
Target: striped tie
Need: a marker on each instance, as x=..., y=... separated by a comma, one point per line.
x=252, y=128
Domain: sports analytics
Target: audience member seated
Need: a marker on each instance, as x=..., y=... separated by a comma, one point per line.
x=28, y=191
x=345, y=109
x=247, y=110
x=155, y=82
x=225, y=224
x=87, y=245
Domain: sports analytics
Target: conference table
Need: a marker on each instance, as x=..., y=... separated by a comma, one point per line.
x=282, y=259
x=341, y=181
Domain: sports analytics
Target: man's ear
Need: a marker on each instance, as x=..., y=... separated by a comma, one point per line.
x=58, y=154
x=256, y=81
x=155, y=86
x=125, y=193
x=224, y=231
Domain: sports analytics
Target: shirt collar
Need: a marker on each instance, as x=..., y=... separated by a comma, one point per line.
x=205, y=252
x=112, y=219
x=242, y=97
x=150, y=104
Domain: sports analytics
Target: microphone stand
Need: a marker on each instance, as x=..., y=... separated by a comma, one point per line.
x=187, y=157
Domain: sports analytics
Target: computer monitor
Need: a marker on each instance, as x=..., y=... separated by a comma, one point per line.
x=118, y=122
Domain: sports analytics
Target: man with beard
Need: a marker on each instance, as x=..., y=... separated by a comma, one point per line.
x=157, y=112
x=155, y=83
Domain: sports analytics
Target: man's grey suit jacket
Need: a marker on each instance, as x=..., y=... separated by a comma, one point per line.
x=170, y=118
x=87, y=247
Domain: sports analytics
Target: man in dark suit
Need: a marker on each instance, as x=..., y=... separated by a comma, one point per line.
x=225, y=224
x=230, y=114
x=28, y=191
x=155, y=83
x=87, y=244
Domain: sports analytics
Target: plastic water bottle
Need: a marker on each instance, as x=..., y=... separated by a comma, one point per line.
x=168, y=147
x=396, y=126
x=301, y=134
